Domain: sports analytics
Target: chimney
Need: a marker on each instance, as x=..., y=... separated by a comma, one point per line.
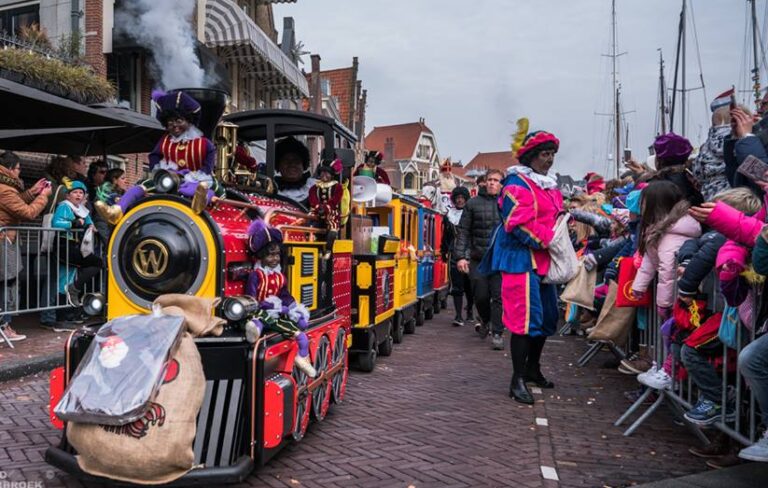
x=421, y=120
x=389, y=150
x=316, y=94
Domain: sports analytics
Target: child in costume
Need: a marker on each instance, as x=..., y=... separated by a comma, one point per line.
x=73, y=214
x=372, y=169
x=279, y=311
x=183, y=150
x=325, y=200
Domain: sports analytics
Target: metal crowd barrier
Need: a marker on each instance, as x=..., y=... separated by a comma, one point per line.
x=33, y=286
x=683, y=395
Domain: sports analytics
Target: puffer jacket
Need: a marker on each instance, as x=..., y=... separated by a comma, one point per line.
x=698, y=257
x=478, y=221
x=16, y=204
x=662, y=258
x=736, y=225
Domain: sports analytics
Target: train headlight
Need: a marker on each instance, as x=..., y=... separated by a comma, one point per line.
x=165, y=181
x=237, y=308
x=93, y=304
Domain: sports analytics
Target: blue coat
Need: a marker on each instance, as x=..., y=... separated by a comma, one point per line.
x=64, y=217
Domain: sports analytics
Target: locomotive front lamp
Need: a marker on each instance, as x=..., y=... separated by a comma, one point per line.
x=165, y=181
x=93, y=304
x=237, y=308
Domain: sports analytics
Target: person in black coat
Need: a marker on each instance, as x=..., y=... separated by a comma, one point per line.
x=478, y=221
x=696, y=260
x=460, y=283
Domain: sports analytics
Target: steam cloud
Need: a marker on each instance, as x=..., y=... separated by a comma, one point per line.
x=164, y=27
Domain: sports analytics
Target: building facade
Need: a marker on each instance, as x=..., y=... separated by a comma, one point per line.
x=235, y=42
x=411, y=156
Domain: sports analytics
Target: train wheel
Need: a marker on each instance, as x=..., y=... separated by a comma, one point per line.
x=340, y=355
x=429, y=312
x=397, y=333
x=321, y=397
x=367, y=361
x=410, y=326
x=420, y=317
x=385, y=348
x=303, y=404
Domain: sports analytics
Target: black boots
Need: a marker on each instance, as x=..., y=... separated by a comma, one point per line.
x=533, y=375
x=457, y=304
x=519, y=390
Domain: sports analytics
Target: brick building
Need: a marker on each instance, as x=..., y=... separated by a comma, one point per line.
x=236, y=40
x=411, y=157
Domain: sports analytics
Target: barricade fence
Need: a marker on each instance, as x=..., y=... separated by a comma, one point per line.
x=36, y=264
x=740, y=416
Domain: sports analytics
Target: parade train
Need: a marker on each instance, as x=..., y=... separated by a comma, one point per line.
x=362, y=299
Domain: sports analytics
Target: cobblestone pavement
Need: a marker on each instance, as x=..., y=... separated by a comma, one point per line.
x=434, y=414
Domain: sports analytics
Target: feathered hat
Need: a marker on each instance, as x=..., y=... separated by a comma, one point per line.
x=535, y=139
x=175, y=104
x=374, y=156
x=260, y=235
x=333, y=167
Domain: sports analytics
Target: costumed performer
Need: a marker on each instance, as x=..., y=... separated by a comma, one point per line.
x=278, y=310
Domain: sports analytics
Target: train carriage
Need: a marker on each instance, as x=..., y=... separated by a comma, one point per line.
x=440, y=282
x=256, y=400
x=428, y=250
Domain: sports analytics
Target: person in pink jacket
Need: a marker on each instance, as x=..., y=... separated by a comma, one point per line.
x=665, y=225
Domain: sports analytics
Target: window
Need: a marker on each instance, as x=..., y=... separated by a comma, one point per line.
x=13, y=19
x=409, y=182
x=424, y=151
x=124, y=70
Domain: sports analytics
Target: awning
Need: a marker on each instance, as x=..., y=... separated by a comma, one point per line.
x=130, y=132
x=237, y=38
x=29, y=108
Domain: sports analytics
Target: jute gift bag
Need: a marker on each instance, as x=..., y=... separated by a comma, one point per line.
x=614, y=323
x=157, y=448
x=581, y=289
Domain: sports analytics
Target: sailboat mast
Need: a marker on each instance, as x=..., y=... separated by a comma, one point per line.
x=684, y=91
x=662, y=93
x=755, y=62
x=677, y=71
x=617, y=107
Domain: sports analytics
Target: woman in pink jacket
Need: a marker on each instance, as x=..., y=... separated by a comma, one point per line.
x=664, y=226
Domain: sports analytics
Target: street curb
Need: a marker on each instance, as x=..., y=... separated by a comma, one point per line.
x=30, y=366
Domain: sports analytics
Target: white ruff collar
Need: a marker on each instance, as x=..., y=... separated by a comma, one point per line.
x=268, y=271
x=544, y=182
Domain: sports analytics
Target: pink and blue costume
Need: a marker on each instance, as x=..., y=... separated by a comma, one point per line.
x=529, y=213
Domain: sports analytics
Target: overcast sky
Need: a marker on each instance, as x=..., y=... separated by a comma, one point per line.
x=472, y=68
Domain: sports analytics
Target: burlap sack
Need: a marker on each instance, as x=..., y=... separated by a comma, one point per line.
x=198, y=313
x=614, y=323
x=157, y=448
x=581, y=289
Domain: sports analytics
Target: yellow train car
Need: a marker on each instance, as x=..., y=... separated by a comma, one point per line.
x=401, y=215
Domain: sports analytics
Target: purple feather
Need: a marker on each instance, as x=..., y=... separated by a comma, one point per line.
x=156, y=94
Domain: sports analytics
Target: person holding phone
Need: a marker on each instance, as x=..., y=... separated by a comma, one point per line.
x=17, y=205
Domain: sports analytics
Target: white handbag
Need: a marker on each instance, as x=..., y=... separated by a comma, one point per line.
x=565, y=264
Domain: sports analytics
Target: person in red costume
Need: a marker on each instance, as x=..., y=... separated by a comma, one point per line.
x=372, y=169
x=183, y=150
x=325, y=201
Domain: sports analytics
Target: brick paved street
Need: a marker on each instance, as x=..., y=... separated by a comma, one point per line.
x=435, y=413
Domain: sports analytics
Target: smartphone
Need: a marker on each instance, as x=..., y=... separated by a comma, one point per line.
x=754, y=168
x=627, y=154
x=733, y=97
